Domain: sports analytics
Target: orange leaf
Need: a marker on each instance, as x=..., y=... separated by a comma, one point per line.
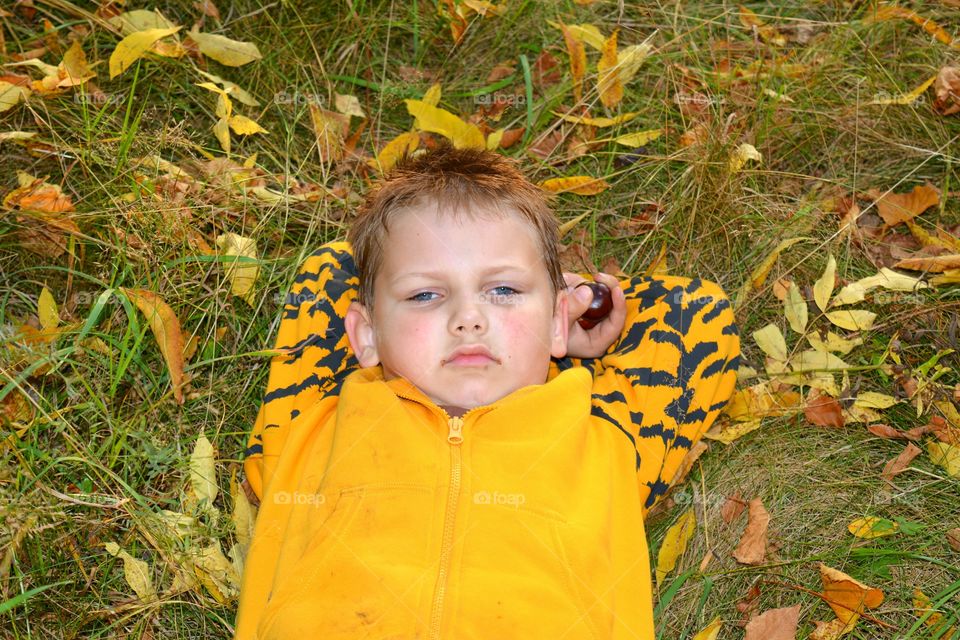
x=847, y=597
x=36, y=195
x=901, y=462
x=580, y=185
x=578, y=61
x=886, y=431
x=891, y=12
x=753, y=544
x=166, y=329
x=769, y=34
x=608, y=75
x=936, y=264
x=822, y=410
x=895, y=208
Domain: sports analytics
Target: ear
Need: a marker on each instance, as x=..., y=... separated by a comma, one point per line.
x=362, y=335
x=558, y=343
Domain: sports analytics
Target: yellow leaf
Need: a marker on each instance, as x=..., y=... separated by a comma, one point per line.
x=11, y=94
x=216, y=573
x=795, y=309
x=222, y=131
x=813, y=360
x=403, y=144
x=733, y=432
x=675, y=543
x=852, y=320
x=949, y=276
x=235, y=90
x=906, y=98
x=769, y=34
x=243, y=125
x=833, y=630
x=330, y=129
x=436, y=120
x=494, y=138
x=759, y=275
x=833, y=343
x=945, y=455
x=47, y=310
x=741, y=155
x=140, y=20
x=639, y=138
x=570, y=224
x=166, y=330
x=874, y=400
x=136, y=572
x=203, y=474
x=771, y=342
x=711, y=631
x=934, y=621
x=630, y=59
x=587, y=33
x=224, y=50
x=433, y=94
x=580, y=185
x=242, y=274
x=578, y=61
x=132, y=48
x=846, y=596
x=243, y=514
x=823, y=287
x=895, y=208
x=73, y=68
x=609, y=84
x=597, y=122
x=890, y=12
x=872, y=527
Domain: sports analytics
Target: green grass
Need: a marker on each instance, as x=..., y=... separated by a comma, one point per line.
x=106, y=448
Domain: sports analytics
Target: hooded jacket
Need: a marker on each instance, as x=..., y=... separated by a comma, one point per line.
x=384, y=517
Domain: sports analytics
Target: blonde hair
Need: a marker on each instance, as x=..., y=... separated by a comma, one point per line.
x=454, y=179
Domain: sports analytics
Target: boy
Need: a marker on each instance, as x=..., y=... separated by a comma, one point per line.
x=446, y=453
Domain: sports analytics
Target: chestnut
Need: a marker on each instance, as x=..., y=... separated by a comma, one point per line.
x=600, y=307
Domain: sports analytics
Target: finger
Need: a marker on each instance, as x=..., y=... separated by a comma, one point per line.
x=618, y=314
x=572, y=279
x=578, y=301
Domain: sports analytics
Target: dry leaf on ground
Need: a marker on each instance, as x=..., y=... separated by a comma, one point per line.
x=895, y=208
x=822, y=410
x=774, y=624
x=899, y=464
x=166, y=329
x=711, y=631
x=753, y=544
x=953, y=539
x=732, y=507
x=872, y=527
x=675, y=543
x=847, y=597
x=609, y=83
x=580, y=185
x=947, y=88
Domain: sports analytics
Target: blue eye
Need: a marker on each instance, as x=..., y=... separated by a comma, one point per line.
x=505, y=291
x=418, y=298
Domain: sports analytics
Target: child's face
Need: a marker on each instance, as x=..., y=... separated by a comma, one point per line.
x=445, y=284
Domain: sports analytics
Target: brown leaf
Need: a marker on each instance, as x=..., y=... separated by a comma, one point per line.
x=696, y=450
x=936, y=264
x=774, y=624
x=895, y=208
x=899, y=464
x=546, y=72
x=37, y=195
x=750, y=602
x=208, y=9
x=166, y=329
x=575, y=257
x=753, y=544
x=732, y=507
x=953, y=539
x=511, y=137
x=542, y=147
x=502, y=70
x=886, y=431
x=822, y=410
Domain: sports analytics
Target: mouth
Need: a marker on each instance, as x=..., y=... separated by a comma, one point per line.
x=471, y=356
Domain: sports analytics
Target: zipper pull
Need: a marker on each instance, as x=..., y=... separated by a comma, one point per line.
x=456, y=430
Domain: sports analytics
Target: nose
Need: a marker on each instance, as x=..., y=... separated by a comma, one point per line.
x=468, y=317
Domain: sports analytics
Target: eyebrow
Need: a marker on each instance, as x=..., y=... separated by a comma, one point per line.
x=504, y=268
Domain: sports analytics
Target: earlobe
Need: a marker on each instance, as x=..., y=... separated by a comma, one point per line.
x=362, y=335
x=558, y=346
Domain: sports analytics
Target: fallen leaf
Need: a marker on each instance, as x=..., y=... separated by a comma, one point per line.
x=852, y=319
x=609, y=85
x=953, y=539
x=759, y=275
x=895, y=208
x=814, y=360
x=832, y=630
x=823, y=287
x=639, y=138
x=731, y=433
x=711, y=631
x=946, y=456
x=906, y=98
x=934, y=620
x=587, y=33
x=753, y=544
x=890, y=12
x=822, y=410
x=875, y=400
x=947, y=89
x=769, y=34
x=243, y=125
x=224, y=50
x=216, y=573
x=732, y=507
x=47, y=311
x=578, y=61
x=580, y=185
x=330, y=129
x=774, y=624
x=833, y=343
x=140, y=20
x=936, y=264
x=872, y=527
x=136, y=572
x=203, y=475
x=899, y=464
x=436, y=120
x=545, y=144
x=886, y=431
x=847, y=597
x=134, y=46
x=741, y=155
x=35, y=194
x=689, y=459
x=349, y=105
x=403, y=145
x=771, y=341
x=675, y=543
x=242, y=274
x=795, y=309
x=597, y=122
x=11, y=95
x=629, y=60
x=166, y=330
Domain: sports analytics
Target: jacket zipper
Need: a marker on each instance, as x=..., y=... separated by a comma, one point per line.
x=455, y=438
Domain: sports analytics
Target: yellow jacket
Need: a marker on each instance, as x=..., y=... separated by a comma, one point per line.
x=384, y=517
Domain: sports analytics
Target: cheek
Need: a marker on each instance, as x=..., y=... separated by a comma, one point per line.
x=527, y=333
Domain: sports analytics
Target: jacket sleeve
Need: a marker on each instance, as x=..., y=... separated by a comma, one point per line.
x=666, y=379
x=316, y=355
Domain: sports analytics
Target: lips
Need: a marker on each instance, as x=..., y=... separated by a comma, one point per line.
x=475, y=355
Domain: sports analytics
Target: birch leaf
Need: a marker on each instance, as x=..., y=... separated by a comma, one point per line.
x=203, y=474
x=580, y=185
x=823, y=287
x=675, y=543
x=132, y=48
x=136, y=572
x=795, y=309
x=224, y=50
x=166, y=330
x=852, y=320
x=639, y=138
x=242, y=274
x=462, y=134
x=403, y=144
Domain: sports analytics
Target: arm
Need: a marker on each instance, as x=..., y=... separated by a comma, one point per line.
x=316, y=359
x=673, y=369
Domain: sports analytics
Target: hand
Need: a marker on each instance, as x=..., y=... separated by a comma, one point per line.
x=593, y=343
